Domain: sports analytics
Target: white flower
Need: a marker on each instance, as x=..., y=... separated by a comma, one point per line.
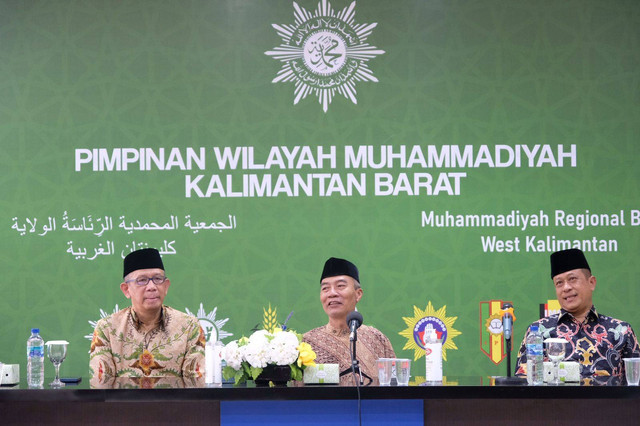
x=263, y=348
x=256, y=353
x=288, y=338
x=232, y=355
x=260, y=337
x=283, y=348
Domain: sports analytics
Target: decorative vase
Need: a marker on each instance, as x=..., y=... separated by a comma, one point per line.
x=278, y=374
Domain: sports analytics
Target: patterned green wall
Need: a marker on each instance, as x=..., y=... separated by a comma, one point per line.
x=481, y=78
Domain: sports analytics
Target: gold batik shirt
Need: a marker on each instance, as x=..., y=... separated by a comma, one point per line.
x=120, y=347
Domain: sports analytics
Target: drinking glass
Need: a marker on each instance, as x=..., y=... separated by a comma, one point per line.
x=403, y=371
x=57, y=352
x=385, y=366
x=555, y=351
x=632, y=371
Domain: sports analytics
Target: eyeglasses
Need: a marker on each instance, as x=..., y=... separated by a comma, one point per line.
x=143, y=281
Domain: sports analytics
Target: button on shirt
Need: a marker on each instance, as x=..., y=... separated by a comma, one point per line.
x=599, y=343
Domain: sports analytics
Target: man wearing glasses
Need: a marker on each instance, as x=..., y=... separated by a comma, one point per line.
x=147, y=339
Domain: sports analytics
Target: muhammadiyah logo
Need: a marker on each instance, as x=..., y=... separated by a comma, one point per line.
x=324, y=53
x=429, y=319
x=210, y=325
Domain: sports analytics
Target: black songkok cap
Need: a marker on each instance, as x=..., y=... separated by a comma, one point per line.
x=148, y=258
x=334, y=267
x=568, y=260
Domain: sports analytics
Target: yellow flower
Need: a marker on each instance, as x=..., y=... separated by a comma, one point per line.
x=307, y=355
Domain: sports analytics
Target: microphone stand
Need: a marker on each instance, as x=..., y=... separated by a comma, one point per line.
x=355, y=364
x=509, y=380
x=355, y=369
x=508, y=342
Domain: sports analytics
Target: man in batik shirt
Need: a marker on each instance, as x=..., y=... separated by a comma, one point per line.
x=340, y=291
x=596, y=341
x=147, y=339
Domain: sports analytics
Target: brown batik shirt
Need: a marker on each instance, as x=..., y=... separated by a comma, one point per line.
x=332, y=346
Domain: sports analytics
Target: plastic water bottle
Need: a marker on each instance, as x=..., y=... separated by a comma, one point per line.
x=535, y=357
x=35, y=359
x=433, y=356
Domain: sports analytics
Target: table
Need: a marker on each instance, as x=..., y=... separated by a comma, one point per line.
x=462, y=400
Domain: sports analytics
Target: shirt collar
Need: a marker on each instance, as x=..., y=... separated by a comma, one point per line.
x=568, y=316
x=337, y=332
x=162, y=323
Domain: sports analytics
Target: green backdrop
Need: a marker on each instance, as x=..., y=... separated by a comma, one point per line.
x=528, y=108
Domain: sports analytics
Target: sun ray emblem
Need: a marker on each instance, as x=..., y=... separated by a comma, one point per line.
x=324, y=52
x=212, y=327
x=429, y=318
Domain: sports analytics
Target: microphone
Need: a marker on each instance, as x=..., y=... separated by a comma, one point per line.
x=507, y=320
x=354, y=320
x=508, y=317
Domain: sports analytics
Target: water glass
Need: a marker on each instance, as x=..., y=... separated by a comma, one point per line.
x=632, y=370
x=385, y=370
x=403, y=371
x=555, y=352
x=57, y=351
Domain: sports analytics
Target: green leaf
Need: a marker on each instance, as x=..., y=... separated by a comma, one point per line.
x=255, y=372
x=296, y=372
x=102, y=335
x=229, y=372
x=194, y=333
x=101, y=352
x=128, y=372
x=239, y=377
x=135, y=354
x=171, y=372
x=158, y=356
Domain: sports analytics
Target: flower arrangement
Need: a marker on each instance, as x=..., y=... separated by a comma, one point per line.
x=247, y=357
